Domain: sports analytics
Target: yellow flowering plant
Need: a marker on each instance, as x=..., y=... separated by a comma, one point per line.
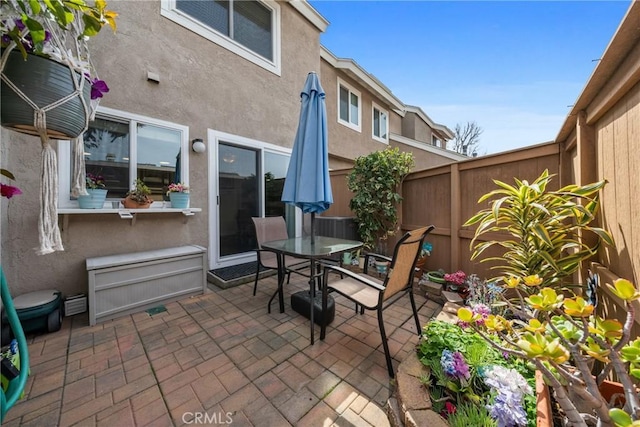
x=549, y=325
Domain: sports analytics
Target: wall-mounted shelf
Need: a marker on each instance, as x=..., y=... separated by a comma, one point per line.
x=124, y=213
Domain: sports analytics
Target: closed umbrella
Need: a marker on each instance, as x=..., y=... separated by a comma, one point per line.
x=307, y=184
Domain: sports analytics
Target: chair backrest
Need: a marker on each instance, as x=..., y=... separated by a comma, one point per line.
x=405, y=255
x=270, y=228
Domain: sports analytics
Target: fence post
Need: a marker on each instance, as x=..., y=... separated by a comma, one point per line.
x=454, y=262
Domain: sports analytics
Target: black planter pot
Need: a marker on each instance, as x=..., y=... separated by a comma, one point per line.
x=44, y=82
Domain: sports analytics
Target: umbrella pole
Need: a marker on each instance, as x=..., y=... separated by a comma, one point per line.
x=313, y=228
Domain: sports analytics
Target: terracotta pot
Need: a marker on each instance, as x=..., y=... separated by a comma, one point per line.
x=543, y=405
x=609, y=389
x=132, y=204
x=420, y=263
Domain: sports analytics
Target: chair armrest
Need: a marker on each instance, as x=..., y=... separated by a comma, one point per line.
x=355, y=276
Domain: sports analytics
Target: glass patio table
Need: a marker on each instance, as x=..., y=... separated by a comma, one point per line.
x=313, y=249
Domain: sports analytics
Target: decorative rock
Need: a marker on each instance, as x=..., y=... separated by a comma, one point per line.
x=452, y=297
x=412, y=394
x=425, y=418
x=393, y=412
x=431, y=288
x=449, y=313
x=412, y=366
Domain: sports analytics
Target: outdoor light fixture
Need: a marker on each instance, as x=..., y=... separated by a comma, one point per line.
x=198, y=146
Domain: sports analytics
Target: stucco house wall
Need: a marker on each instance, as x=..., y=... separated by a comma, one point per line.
x=202, y=86
x=345, y=141
x=414, y=127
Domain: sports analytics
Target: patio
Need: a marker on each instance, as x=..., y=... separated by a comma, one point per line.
x=218, y=358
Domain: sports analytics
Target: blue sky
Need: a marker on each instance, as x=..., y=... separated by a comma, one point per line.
x=512, y=67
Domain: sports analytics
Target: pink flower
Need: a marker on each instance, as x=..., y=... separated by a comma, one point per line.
x=457, y=278
x=9, y=191
x=449, y=408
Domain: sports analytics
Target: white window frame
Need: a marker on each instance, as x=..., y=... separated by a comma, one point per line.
x=169, y=10
x=215, y=137
x=352, y=91
x=65, y=161
x=436, y=141
x=381, y=111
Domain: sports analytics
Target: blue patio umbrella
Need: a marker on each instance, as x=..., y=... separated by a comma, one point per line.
x=307, y=184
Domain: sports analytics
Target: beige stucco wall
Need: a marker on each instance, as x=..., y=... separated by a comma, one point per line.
x=202, y=85
x=414, y=127
x=344, y=141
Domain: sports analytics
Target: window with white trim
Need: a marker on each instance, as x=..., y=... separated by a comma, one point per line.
x=249, y=28
x=349, y=111
x=121, y=147
x=436, y=141
x=380, y=123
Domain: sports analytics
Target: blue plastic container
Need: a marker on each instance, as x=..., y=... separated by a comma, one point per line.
x=95, y=199
x=179, y=200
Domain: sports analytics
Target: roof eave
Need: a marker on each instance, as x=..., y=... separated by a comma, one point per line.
x=372, y=84
x=442, y=129
x=310, y=13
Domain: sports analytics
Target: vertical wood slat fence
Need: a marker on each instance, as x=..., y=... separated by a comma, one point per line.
x=446, y=196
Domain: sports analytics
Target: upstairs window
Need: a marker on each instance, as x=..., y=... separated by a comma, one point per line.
x=435, y=141
x=348, y=106
x=249, y=28
x=380, y=124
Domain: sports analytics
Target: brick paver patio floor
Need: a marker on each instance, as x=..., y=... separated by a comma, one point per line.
x=215, y=359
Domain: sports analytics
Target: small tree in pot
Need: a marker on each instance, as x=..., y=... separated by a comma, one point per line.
x=375, y=181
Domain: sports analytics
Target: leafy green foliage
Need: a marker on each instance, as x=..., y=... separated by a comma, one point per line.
x=375, y=180
x=471, y=414
x=64, y=14
x=543, y=230
x=140, y=192
x=471, y=393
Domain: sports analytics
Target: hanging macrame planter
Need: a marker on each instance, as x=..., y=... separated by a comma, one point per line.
x=43, y=85
x=48, y=99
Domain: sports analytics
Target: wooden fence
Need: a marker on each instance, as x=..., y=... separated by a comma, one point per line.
x=446, y=196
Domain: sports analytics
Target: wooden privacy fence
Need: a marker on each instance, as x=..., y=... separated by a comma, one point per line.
x=446, y=196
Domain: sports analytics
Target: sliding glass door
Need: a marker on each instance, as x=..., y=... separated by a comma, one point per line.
x=248, y=183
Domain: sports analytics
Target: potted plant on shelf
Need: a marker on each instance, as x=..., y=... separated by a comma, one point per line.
x=96, y=192
x=45, y=44
x=178, y=195
x=138, y=197
x=546, y=322
x=375, y=181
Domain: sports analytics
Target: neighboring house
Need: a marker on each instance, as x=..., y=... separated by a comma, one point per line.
x=174, y=78
x=365, y=116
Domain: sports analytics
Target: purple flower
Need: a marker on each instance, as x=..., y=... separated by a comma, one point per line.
x=454, y=365
x=9, y=191
x=507, y=410
x=510, y=387
x=98, y=89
